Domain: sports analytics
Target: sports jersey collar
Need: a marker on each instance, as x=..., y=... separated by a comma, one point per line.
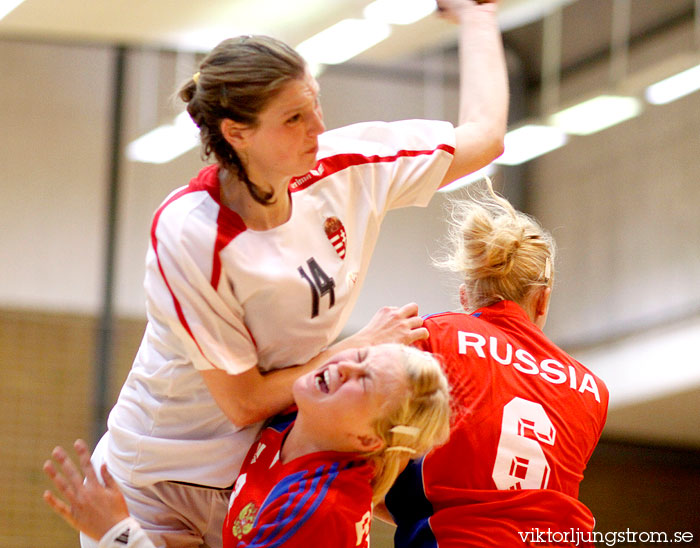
x=502, y=309
x=208, y=180
x=322, y=457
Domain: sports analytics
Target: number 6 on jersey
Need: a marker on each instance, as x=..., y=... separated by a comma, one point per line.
x=520, y=461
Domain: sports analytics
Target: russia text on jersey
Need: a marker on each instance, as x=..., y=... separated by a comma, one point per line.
x=548, y=369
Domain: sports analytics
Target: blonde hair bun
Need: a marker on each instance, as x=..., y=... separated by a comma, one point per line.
x=501, y=253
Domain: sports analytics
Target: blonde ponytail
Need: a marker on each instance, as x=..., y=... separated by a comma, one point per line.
x=417, y=425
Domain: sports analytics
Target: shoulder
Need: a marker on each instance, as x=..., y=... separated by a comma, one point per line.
x=326, y=477
x=439, y=325
x=326, y=526
x=204, y=187
x=444, y=321
x=441, y=317
x=351, y=483
x=185, y=210
x=376, y=137
x=204, y=184
x=194, y=214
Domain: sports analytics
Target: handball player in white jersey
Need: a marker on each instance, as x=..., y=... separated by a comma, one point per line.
x=253, y=267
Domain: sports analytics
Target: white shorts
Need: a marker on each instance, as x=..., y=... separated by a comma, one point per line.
x=174, y=515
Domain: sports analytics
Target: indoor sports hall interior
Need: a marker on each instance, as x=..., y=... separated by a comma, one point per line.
x=603, y=147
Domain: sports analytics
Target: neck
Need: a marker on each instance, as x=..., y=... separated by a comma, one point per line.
x=297, y=444
x=235, y=195
x=304, y=439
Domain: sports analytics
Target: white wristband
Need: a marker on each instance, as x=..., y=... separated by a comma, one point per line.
x=125, y=534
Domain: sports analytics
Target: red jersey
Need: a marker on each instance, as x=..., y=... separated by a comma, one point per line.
x=526, y=416
x=322, y=499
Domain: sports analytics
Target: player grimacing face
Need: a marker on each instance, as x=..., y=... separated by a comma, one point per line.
x=341, y=400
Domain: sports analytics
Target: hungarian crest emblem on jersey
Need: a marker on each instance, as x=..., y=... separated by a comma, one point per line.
x=245, y=520
x=335, y=232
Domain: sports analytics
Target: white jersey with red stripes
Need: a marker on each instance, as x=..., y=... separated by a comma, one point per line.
x=220, y=295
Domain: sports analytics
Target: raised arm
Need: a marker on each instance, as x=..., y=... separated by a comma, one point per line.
x=483, y=113
x=251, y=396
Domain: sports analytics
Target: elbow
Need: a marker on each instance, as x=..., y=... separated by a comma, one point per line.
x=495, y=138
x=497, y=148
x=478, y=145
x=242, y=398
x=492, y=145
x=491, y=148
x=244, y=414
x=243, y=409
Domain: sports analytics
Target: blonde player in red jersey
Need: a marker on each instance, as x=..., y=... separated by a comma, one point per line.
x=311, y=477
x=527, y=416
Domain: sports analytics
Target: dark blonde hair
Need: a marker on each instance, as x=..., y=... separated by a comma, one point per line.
x=501, y=253
x=237, y=80
x=419, y=423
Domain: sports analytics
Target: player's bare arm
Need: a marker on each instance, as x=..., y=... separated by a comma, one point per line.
x=251, y=396
x=483, y=86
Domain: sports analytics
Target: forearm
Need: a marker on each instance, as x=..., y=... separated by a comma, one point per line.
x=483, y=119
x=252, y=396
x=483, y=74
x=275, y=388
x=270, y=393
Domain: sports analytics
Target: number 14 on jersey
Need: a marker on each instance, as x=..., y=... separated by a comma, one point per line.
x=320, y=284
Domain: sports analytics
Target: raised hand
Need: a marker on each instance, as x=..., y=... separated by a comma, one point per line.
x=89, y=506
x=450, y=9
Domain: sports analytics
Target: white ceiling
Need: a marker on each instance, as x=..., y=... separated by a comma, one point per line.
x=198, y=26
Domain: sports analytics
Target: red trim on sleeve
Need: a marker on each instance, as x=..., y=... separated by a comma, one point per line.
x=207, y=179
x=333, y=164
x=229, y=225
x=154, y=244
